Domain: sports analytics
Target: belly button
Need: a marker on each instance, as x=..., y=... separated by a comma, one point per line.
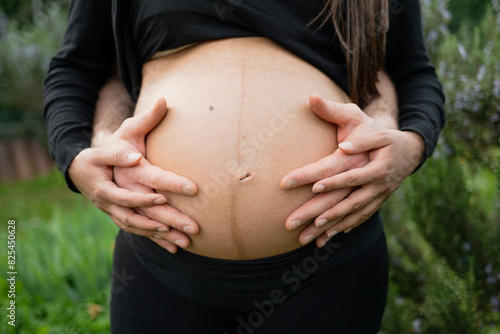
x=246, y=177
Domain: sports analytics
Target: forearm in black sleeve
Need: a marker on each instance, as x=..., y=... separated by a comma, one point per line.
x=420, y=95
x=74, y=78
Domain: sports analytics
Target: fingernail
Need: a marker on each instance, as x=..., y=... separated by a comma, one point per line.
x=288, y=184
x=319, y=95
x=348, y=230
x=332, y=233
x=188, y=190
x=321, y=222
x=133, y=156
x=189, y=229
x=347, y=145
x=172, y=250
x=319, y=188
x=157, y=236
x=321, y=243
x=162, y=229
x=180, y=243
x=308, y=239
x=294, y=224
x=161, y=200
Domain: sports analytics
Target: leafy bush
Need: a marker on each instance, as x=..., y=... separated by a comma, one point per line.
x=27, y=47
x=64, y=272
x=444, y=221
x=468, y=64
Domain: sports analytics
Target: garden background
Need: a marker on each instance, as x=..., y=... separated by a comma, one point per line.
x=442, y=225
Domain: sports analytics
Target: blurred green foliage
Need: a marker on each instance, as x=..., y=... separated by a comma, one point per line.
x=444, y=222
x=64, y=267
x=27, y=47
x=466, y=13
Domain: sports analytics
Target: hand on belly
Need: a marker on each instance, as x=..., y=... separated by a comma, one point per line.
x=235, y=126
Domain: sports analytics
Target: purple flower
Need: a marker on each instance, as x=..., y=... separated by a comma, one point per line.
x=462, y=51
x=417, y=325
x=481, y=72
x=432, y=36
x=496, y=88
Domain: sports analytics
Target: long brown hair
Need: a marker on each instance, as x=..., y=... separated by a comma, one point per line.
x=361, y=26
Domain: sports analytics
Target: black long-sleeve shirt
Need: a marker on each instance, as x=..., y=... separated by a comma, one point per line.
x=131, y=31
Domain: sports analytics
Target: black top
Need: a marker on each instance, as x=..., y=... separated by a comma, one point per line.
x=100, y=31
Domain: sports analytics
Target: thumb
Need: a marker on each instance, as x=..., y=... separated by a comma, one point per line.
x=334, y=112
x=115, y=158
x=365, y=143
x=146, y=121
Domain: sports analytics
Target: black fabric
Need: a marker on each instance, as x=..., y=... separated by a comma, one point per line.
x=237, y=284
x=348, y=298
x=137, y=29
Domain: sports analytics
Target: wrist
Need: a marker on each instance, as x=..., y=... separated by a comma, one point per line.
x=385, y=120
x=416, y=145
x=383, y=114
x=99, y=137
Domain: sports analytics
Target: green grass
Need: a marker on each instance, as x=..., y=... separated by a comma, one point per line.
x=36, y=198
x=63, y=259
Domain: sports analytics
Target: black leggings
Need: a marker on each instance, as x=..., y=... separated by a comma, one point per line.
x=349, y=299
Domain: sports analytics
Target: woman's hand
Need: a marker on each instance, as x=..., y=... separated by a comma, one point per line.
x=92, y=173
x=354, y=181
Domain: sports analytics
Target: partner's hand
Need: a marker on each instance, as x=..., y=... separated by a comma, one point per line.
x=376, y=163
x=92, y=173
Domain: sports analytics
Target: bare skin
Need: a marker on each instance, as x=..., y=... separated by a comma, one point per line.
x=373, y=188
x=393, y=156
x=120, y=142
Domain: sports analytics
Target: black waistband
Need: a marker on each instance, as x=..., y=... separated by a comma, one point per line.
x=237, y=284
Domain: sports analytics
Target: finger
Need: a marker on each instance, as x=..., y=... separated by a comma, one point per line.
x=360, y=144
x=133, y=230
x=175, y=237
x=310, y=233
x=355, y=219
x=146, y=121
x=315, y=207
x=103, y=157
x=109, y=192
x=333, y=164
x=311, y=173
x=372, y=172
x=130, y=221
x=170, y=216
x=165, y=244
x=334, y=112
x=354, y=202
x=160, y=179
x=349, y=222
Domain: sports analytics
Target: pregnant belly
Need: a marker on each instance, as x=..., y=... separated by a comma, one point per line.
x=238, y=120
